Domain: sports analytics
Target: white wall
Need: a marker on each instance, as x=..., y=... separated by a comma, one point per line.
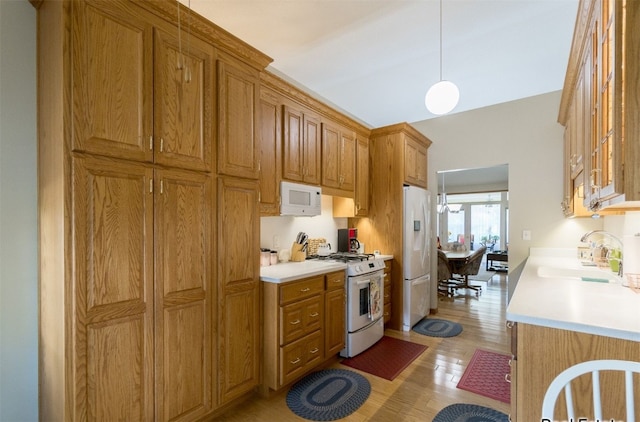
x=286, y=228
x=18, y=225
x=525, y=135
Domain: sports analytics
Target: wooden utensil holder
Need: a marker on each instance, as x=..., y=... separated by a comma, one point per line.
x=297, y=254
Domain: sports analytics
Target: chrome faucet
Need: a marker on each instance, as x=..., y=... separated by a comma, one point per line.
x=585, y=237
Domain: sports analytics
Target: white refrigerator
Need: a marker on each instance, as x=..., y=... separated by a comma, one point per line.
x=416, y=238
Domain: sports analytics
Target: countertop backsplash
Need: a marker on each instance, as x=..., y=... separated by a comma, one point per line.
x=277, y=233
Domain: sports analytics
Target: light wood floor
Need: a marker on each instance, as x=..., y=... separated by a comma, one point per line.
x=429, y=383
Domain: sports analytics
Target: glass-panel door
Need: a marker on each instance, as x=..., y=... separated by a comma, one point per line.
x=485, y=226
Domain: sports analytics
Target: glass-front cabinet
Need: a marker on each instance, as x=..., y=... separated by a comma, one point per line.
x=600, y=109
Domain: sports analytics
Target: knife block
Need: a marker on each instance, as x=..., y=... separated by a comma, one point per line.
x=297, y=254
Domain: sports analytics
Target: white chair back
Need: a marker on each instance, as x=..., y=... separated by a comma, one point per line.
x=563, y=381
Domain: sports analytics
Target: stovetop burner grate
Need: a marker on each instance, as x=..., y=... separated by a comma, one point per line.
x=345, y=256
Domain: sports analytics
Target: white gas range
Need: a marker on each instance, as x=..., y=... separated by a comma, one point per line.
x=365, y=303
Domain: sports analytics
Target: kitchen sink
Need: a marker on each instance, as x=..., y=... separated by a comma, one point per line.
x=583, y=274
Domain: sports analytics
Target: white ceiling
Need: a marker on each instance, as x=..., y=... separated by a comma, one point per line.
x=375, y=59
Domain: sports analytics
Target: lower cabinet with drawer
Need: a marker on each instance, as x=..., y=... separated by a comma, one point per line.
x=303, y=326
x=387, y=291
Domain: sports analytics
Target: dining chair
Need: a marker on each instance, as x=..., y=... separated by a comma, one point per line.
x=563, y=382
x=446, y=286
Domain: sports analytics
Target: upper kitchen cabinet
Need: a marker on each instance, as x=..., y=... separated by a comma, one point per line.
x=338, y=159
x=415, y=161
x=600, y=106
x=301, y=145
x=138, y=93
x=358, y=206
x=270, y=141
x=238, y=103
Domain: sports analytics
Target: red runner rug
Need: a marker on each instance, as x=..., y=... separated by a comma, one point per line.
x=387, y=358
x=485, y=375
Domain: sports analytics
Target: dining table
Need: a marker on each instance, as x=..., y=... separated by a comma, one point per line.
x=457, y=260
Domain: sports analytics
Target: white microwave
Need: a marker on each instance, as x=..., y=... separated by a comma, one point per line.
x=300, y=200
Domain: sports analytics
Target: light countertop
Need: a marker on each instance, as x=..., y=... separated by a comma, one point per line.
x=289, y=271
x=549, y=295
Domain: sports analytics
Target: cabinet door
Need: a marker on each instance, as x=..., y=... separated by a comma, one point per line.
x=112, y=284
x=361, y=198
x=183, y=101
x=330, y=156
x=338, y=157
x=270, y=155
x=334, y=321
x=238, y=97
x=415, y=158
x=112, y=82
x=347, y=161
x=183, y=210
x=239, y=307
x=312, y=166
x=292, y=144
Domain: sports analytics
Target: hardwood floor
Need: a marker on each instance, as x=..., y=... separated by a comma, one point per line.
x=429, y=383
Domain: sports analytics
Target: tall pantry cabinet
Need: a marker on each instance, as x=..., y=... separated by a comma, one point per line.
x=132, y=289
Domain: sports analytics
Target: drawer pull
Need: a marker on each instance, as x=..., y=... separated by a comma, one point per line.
x=314, y=351
x=296, y=322
x=313, y=315
x=509, y=362
x=507, y=378
x=306, y=289
x=295, y=362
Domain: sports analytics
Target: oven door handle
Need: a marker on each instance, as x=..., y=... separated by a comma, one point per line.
x=360, y=283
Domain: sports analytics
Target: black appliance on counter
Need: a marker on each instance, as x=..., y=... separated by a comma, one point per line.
x=348, y=240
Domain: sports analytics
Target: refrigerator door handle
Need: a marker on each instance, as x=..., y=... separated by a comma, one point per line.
x=425, y=216
x=420, y=281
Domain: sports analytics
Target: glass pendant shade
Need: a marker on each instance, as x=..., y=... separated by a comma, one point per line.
x=442, y=97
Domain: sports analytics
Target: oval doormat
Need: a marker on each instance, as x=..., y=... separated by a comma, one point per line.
x=328, y=395
x=461, y=412
x=437, y=328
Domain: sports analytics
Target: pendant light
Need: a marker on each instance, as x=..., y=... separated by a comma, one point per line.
x=443, y=207
x=443, y=96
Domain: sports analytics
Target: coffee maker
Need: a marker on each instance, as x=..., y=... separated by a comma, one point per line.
x=348, y=240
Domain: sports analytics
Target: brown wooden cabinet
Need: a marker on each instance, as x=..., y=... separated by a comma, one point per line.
x=184, y=294
x=238, y=104
x=358, y=206
x=134, y=323
x=239, y=306
x=334, y=306
x=387, y=291
x=536, y=365
x=338, y=160
x=111, y=284
x=301, y=145
x=304, y=325
x=270, y=152
x=415, y=162
x=602, y=123
x=361, y=194
x=129, y=99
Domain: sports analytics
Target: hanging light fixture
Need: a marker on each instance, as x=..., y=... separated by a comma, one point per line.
x=443, y=96
x=444, y=207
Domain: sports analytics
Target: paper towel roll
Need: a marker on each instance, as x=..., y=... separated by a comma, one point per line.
x=630, y=255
